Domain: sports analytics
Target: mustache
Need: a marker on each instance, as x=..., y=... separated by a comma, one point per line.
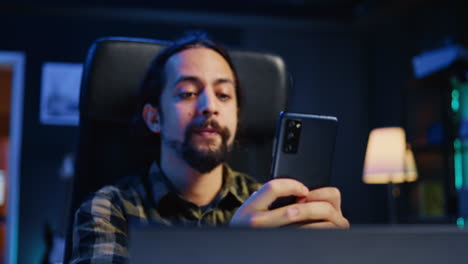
x=212, y=124
x=208, y=123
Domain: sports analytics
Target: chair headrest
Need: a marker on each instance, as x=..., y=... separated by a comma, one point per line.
x=116, y=66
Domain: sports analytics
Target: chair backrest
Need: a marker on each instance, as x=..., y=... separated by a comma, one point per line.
x=112, y=75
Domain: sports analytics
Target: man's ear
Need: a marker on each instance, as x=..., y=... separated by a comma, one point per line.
x=150, y=115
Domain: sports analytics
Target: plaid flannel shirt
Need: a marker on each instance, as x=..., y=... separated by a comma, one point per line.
x=100, y=232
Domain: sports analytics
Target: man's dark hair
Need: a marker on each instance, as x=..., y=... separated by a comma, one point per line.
x=147, y=143
x=155, y=77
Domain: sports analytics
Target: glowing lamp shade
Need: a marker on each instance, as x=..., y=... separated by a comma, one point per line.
x=388, y=159
x=410, y=165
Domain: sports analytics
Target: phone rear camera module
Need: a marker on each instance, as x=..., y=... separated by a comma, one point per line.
x=291, y=136
x=291, y=124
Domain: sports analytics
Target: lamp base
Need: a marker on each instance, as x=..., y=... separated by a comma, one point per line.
x=393, y=191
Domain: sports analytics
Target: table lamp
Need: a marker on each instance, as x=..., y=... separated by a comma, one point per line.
x=389, y=160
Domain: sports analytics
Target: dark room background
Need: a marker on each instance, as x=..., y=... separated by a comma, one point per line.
x=348, y=58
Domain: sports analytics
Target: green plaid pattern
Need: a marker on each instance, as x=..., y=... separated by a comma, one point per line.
x=100, y=232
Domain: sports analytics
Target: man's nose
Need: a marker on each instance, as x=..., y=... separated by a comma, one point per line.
x=207, y=104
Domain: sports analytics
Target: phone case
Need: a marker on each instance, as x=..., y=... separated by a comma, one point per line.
x=304, y=147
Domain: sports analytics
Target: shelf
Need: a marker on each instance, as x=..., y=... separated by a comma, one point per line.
x=427, y=148
x=430, y=125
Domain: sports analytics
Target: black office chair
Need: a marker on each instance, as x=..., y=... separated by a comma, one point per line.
x=112, y=75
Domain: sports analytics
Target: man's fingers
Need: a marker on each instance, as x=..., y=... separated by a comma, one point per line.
x=320, y=225
x=325, y=212
x=327, y=194
x=274, y=189
x=314, y=212
x=278, y=217
x=344, y=224
x=320, y=208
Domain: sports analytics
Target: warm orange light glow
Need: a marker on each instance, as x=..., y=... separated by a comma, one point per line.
x=388, y=158
x=410, y=165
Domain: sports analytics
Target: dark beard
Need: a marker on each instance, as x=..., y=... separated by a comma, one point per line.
x=202, y=160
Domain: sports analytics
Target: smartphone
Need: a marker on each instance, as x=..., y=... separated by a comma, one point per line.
x=303, y=150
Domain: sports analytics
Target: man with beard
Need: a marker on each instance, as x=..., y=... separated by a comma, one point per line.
x=190, y=98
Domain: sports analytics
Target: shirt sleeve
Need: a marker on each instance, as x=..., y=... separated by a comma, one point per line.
x=100, y=230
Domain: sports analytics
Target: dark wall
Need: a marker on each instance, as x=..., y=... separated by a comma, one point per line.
x=330, y=78
x=43, y=193
x=337, y=69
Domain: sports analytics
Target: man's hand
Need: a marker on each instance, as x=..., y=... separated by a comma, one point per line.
x=320, y=208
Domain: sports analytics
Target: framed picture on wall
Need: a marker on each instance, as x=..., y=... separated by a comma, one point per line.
x=60, y=90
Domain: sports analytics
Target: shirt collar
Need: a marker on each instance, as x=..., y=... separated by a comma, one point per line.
x=234, y=184
x=233, y=191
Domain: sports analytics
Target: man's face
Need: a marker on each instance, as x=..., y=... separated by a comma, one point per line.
x=199, y=107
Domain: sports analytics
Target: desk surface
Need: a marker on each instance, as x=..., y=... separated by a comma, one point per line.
x=360, y=244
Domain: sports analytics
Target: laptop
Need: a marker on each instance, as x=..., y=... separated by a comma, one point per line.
x=361, y=245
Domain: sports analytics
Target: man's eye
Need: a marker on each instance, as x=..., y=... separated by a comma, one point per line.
x=224, y=97
x=187, y=95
